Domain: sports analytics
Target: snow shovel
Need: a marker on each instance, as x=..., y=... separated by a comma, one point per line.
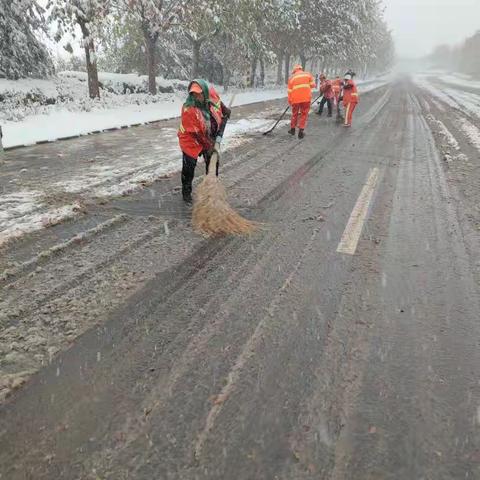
x=212, y=215
x=281, y=116
x=277, y=122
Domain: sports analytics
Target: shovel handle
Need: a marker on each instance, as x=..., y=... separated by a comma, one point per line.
x=212, y=167
x=216, y=149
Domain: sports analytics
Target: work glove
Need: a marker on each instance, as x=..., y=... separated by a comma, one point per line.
x=218, y=140
x=227, y=112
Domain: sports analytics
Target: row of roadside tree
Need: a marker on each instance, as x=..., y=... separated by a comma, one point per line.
x=464, y=58
x=226, y=41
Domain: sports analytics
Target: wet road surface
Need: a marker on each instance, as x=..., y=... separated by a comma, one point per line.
x=280, y=356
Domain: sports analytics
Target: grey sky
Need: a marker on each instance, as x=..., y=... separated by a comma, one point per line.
x=419, y=25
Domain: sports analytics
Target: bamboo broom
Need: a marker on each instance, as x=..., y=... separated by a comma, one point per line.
x=212, y=215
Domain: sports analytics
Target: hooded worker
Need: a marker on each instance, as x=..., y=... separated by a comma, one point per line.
x=203, y=121
x=300, y=86
x=328, y=94
x=350, y=97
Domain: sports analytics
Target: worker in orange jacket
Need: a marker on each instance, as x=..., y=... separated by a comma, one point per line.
x=300, y=86
x=350, y=98
x=337, y=85
x=202, y=124
x=326, y=89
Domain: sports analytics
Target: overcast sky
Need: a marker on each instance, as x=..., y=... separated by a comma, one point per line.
x=420, y=25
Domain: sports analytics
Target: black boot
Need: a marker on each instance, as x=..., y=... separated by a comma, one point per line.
x=301, y=134
x=187, y=196
x=291, y=131
x=188, y=172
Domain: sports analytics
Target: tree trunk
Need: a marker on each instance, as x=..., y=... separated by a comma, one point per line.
x=287, y=66
x=262, y=72
x=279, y=67
x=150, y=43
x=195, y=57
x=226, y=79
x=303, y=59
x=92, y=73
x=253, y=71
x=91, y=61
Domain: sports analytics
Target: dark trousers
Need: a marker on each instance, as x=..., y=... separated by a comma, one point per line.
x=324, y=101
x=188, y=171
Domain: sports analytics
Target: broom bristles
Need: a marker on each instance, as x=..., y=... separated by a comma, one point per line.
x=213, y=216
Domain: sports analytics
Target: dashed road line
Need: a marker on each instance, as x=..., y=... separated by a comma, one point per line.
x=353, y=230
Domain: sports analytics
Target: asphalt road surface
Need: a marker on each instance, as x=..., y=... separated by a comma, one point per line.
x=340, y=342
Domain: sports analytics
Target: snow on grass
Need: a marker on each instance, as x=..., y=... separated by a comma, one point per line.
x=62, y=123
x=118, y=81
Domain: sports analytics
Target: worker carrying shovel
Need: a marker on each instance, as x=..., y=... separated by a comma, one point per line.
x=300, y=86
x=203, y=121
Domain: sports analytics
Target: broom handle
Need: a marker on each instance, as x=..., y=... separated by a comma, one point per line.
x=214, y=159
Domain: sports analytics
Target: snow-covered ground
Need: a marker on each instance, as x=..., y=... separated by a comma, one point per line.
x=26, y=210
x=75, y=114
x=460, y=80
x=453, y=97
x=464, y=106
x=53, y=190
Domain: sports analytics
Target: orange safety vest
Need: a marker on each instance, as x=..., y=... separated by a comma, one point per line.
x=350, y=95
x=337, y=86
x=195, y=134
x=300, y=86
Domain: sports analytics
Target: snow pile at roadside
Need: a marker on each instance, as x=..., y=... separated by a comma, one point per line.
x=33, y=111
x=64, y=123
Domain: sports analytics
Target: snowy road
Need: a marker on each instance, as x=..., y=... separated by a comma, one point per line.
x=340, y=342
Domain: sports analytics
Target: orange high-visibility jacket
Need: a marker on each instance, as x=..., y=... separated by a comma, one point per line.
x=337, y=86
x=195, y=133
x=350, y=92
x=300, y=86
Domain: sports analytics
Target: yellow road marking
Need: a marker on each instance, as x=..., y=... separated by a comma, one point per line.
x=353, y=230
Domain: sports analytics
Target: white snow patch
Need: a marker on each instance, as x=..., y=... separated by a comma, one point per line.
x=25, y=211
x=423, y=83
x=32, y=223
x=470, y=130
x=460, y=80
x=438, y=105
x=469, y=102
x=443, y=130
x=75, y=114
x=63, y=123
